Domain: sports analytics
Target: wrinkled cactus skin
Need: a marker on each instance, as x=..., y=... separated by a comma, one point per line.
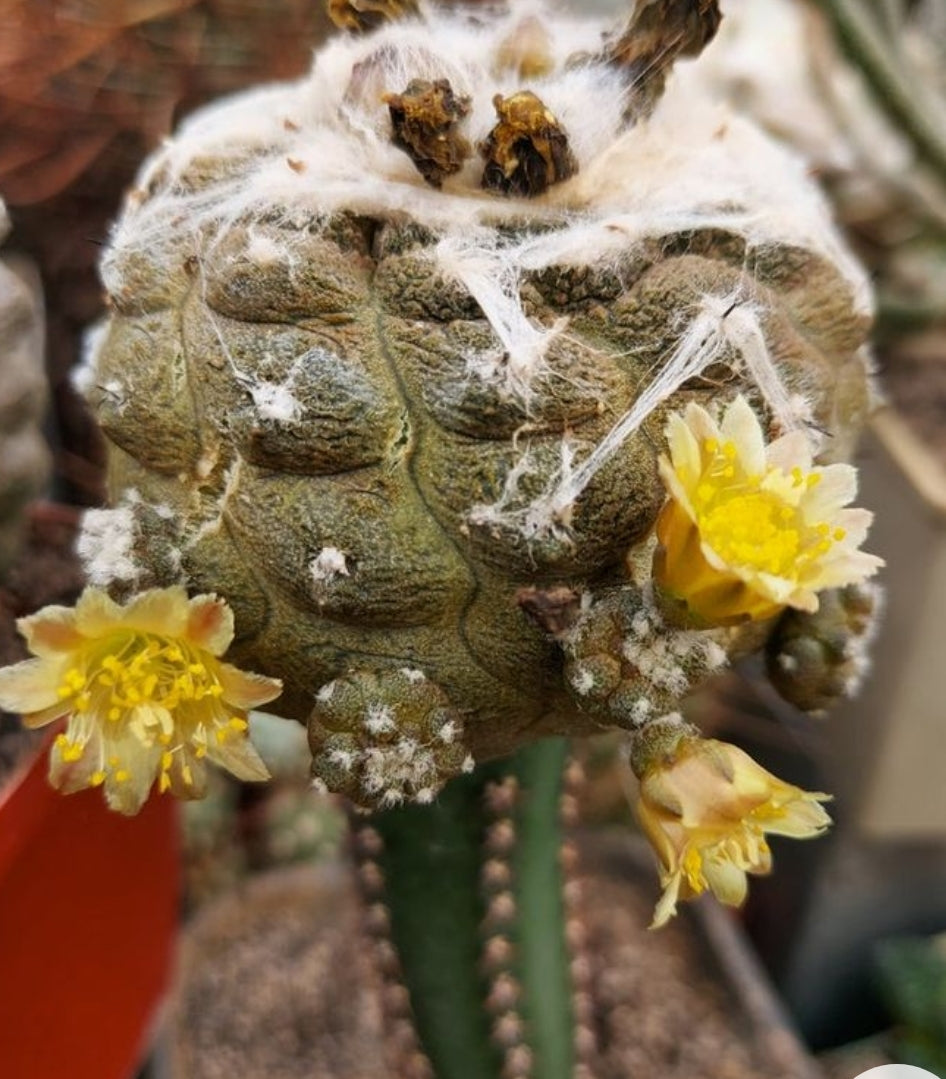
x=299, y=420
x=394, y=442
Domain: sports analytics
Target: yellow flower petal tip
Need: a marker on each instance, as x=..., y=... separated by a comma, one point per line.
x=706, y=807
x=748, y=528
x=146, y=695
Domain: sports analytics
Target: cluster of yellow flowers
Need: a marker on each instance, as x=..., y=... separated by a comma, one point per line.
x=747, y=530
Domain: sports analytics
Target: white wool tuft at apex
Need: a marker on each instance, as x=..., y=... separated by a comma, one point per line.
x=294, y=154
x=323, y=144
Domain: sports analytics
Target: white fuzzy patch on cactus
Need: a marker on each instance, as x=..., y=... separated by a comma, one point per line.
x=583, y=681
x=274, y=401
x=83, y=375
x=327, y=565
x=413, y=675
x=326, y=692
x=106, y=546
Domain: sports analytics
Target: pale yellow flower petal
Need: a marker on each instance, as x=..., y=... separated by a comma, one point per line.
x=855, y=524
x=684, y=448
x=31, y=687
x=780, y=590
x=855, y=567
x=741, y=427
x=802, y=819
x=667, y=904
x=246, y=690
x=159, y=610
x=186, y=775
x=238, y=755
x=72, y=765
x=836, y=488
x=127, y=787
x=726, y=881
x=702, y=424
x=791, y=450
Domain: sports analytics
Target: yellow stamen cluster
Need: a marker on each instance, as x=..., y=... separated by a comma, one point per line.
x=146, y=696
x=748, y=524
x=149, y=683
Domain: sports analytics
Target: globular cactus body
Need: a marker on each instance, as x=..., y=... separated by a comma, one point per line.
x=465, y=370
x=370, y=389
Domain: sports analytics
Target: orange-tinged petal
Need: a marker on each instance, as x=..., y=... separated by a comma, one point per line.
x=96, y=613
x=210, y=624
x=50, y=631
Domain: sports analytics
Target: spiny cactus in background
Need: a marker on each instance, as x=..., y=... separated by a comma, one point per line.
x=24, y=455
x=502, y=395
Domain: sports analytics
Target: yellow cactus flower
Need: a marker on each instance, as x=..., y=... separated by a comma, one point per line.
x=706, y=807
x=146, y=695
x=749, y=529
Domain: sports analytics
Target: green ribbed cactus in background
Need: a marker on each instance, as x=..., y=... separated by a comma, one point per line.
x=497, y=386
x=24, y=455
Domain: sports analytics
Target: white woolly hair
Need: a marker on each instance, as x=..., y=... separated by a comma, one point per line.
x=304, y=150
x=323, y=144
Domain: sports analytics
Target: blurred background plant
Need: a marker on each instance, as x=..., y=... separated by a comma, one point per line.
x=858, y=88
x=911, y=972
x=87, y=90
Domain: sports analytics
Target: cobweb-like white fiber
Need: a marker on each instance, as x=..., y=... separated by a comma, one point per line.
x=290, y=156
x=718, y=325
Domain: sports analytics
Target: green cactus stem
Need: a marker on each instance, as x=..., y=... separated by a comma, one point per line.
x=474, y=888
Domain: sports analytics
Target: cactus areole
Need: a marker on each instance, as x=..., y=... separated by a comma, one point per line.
x=391, y=353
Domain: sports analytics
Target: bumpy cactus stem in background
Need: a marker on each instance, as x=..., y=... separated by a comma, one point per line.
x=473, y=885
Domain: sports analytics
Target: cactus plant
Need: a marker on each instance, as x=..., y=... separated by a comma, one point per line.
x=24, y=455
x=500, y=386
